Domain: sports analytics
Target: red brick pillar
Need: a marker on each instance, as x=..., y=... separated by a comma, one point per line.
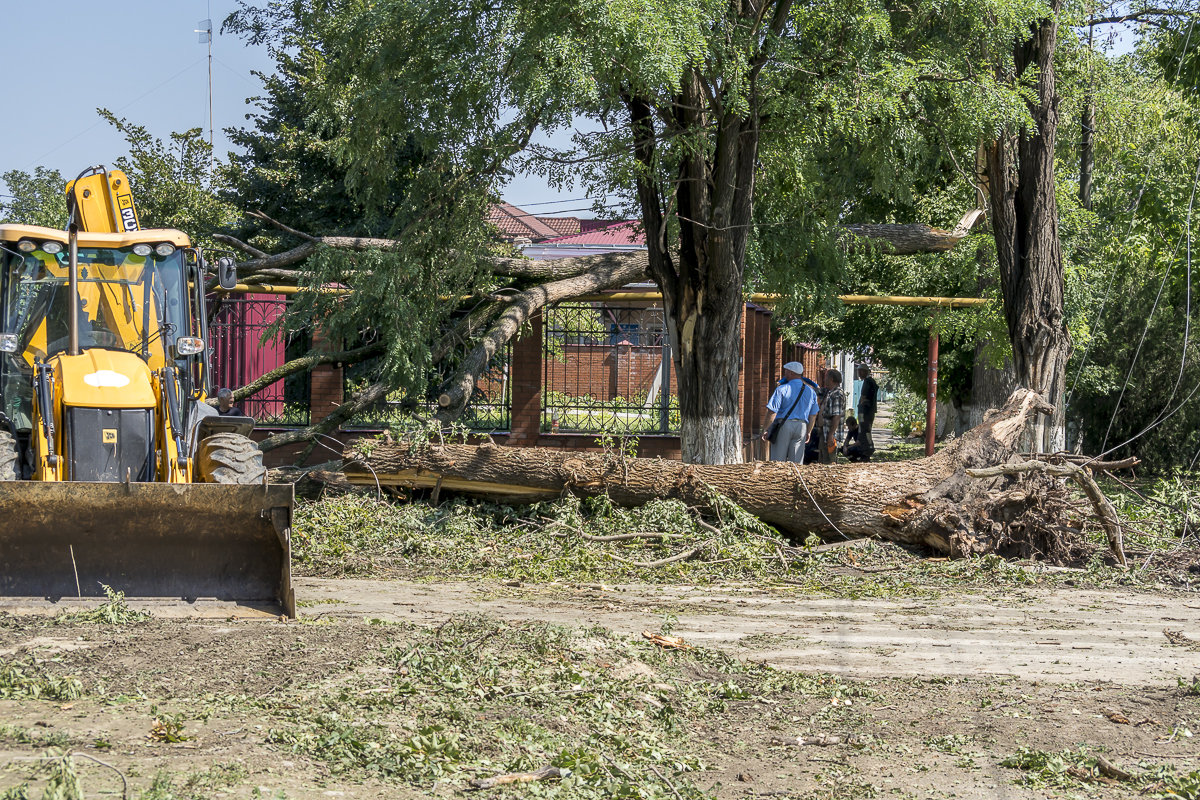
x=748, y=370
x=761, y=374
x=526, y=372
x=776, y=356
x=326, y=384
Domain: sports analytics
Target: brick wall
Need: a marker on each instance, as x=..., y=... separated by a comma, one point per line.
x=603, y=371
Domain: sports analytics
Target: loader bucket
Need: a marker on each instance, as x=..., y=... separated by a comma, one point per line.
x=148, y=540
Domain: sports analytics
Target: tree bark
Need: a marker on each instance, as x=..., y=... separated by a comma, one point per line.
x=306, y=363
x=990, y=385
x=1024, y=216
x=929, y=502
x=912, y=238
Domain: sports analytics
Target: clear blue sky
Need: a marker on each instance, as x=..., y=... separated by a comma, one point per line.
x=140, y=59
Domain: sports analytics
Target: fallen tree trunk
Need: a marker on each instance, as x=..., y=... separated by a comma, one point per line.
x=911, y=238
x=893, y=238
x=930, y=502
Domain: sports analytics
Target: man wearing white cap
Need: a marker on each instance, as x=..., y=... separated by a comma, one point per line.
x=793, y=408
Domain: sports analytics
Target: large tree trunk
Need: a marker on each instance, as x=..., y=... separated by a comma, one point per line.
x=706, y=347
x=929, y=502
x=1025, y=223
x=702, y=282
x=990, y=385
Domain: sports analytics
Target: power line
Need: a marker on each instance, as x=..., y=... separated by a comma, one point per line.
x=94, y=125
x=1133, y=218
x=550, y=203
x=1167, y=412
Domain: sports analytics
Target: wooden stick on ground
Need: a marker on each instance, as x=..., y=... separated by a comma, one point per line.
x=519, y=777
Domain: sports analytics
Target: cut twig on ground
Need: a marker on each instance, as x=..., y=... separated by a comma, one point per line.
x=519, y=777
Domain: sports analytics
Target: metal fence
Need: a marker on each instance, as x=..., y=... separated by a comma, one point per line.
x=607, y=368
x=240, y=354
x=490, y=409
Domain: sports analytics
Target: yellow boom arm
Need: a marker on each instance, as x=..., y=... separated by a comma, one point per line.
x=103, y=202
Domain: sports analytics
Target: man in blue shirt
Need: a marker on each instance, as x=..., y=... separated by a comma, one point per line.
x=795, y=403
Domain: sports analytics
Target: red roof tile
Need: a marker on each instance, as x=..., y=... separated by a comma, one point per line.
x=620, y=233
x=514, y=223
x=564, y=226
x=586, y=225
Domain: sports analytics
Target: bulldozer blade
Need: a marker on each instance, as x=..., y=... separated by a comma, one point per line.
x=148, y=540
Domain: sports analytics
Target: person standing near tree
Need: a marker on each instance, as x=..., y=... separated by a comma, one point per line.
x=794, y=403
x=833, y=409
x=868, y=403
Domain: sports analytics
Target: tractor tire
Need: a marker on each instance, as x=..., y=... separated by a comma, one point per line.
x=9, y=457
x=229, y=458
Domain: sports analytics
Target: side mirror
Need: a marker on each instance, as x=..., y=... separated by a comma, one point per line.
x=226, y=273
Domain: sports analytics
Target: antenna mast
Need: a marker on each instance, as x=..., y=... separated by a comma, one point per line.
x=205, y=31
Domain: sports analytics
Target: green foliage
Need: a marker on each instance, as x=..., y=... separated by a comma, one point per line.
x=63, y=782
x=113, y=611
x=37, y=738
x=175, y=184
x=420, y=117
x=36, y=199
x=310, y=160
x=195, y=785
x=1074, y=769
x=30, y=680
x=908, y=412
x=476, y=697
x=169, y=728
x=1135, y=360
x=571, y=541
x=359, y=535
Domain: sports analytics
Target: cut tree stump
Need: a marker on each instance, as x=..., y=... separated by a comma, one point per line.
x=930, y=502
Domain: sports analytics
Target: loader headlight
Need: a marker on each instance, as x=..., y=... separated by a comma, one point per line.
x=165, y=249
x=26, y=246
x=189, y=345
x=9, y=343
x=52, y=248
x=142, y=249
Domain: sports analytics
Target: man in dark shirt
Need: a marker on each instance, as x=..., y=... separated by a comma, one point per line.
x=868, y=401
x=225, y=406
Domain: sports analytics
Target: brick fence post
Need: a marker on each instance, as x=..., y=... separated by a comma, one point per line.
x=526, y=376
x=326, y=383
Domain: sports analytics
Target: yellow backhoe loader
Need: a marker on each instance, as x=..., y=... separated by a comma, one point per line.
x=114, y=471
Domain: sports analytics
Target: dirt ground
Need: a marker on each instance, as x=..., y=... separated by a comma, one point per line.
x=1058, y=637
x=926, y=698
